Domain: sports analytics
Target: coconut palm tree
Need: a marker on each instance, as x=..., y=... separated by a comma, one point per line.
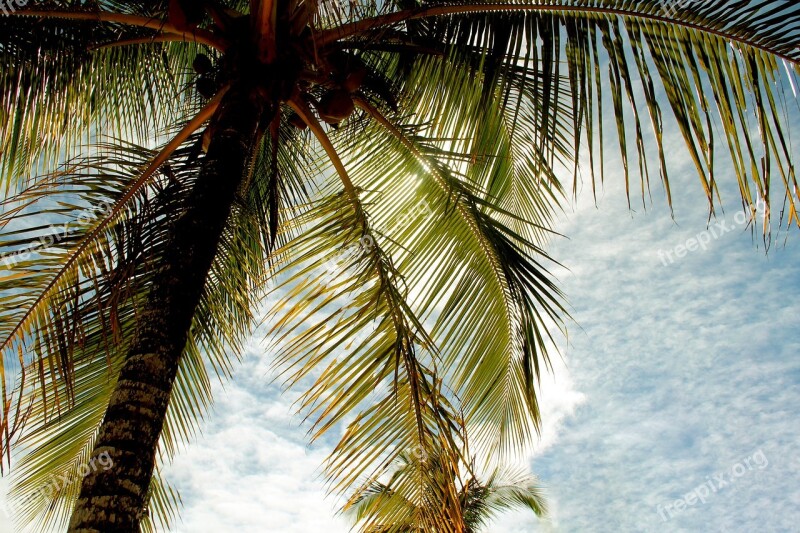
x=410, y=499
x=381, y=174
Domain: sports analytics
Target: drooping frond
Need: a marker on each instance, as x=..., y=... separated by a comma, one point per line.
x=75, y=340
x=59, y=86
x=63, y=404
x=494, y=378
x=717, y=66
x=57, y=260
x=339, y=291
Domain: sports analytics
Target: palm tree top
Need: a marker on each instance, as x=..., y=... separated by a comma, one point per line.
x=419, y=485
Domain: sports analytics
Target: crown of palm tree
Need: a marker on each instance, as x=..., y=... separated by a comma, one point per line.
x=361, y=116
x=423, y=482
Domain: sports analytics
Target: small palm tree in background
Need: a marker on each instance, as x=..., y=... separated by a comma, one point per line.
x=421, y=483
x=381, y=174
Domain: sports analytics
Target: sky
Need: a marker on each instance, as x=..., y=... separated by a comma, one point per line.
x=674, y=407
x=674, y=376
x=679, y=381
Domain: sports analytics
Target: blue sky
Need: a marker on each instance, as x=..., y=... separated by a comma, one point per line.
x=686, y=369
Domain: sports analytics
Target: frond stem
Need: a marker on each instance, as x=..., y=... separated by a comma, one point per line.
x=350, y=29
x=159, y=38
x=302, y=110
x=265, y=18
x=197, y=36
x=205, y=114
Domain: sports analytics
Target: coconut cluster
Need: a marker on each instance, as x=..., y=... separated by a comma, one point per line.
x=327, y=80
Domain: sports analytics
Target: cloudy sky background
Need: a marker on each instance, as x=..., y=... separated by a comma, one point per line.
x=672, y=376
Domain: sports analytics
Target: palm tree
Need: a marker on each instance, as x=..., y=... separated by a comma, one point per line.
x=168, y=165
x=415, y=490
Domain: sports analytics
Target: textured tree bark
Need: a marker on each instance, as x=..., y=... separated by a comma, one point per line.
x=114, y=499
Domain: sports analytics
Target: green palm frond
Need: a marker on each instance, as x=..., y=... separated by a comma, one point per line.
x=718, y=66
x=455, y=252
x=59, y=87
x=79, y=337
x=63, y=405
x=342, y=279
x=62, y=262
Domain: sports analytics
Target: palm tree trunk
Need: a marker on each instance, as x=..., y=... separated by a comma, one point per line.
x=114, y=499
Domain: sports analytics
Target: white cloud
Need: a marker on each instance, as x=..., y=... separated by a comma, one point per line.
x=253, y=471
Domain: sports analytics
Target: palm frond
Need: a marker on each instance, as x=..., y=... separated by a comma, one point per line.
x=342, y=278
x=76, y=341
x=59, y=87
x=459, y=254
x=56, y=279
x=65, y=408
x=736, y=55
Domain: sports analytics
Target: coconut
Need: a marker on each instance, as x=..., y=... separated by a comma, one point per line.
x=207, y=87
x=335, y=106
x=202, y=64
